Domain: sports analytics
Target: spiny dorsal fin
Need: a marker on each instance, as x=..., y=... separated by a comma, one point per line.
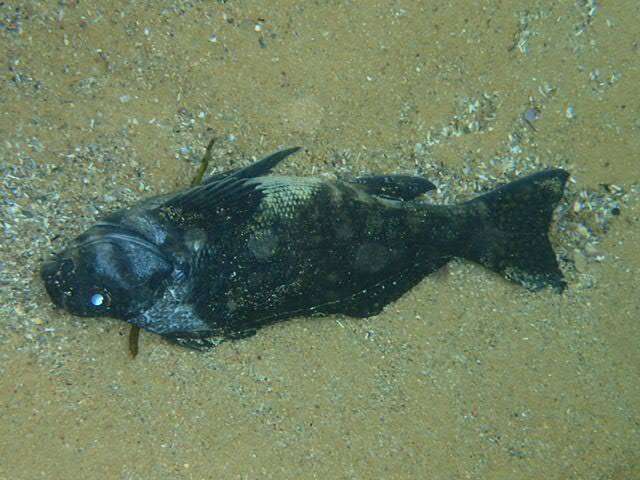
x=219, y=188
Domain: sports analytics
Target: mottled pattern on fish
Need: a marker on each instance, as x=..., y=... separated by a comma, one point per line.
x=244, y=250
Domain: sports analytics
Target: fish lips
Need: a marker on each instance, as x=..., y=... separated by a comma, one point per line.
x=53, y=274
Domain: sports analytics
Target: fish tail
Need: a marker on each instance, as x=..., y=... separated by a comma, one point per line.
x=509, y=230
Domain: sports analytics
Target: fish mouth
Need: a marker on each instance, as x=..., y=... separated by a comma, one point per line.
x=51, y=272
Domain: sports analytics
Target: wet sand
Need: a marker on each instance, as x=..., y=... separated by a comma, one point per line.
x=466, y=376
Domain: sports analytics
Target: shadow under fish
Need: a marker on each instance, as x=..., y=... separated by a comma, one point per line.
x=245, y=249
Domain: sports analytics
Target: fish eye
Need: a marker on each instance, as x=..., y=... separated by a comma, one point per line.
x=100, y=298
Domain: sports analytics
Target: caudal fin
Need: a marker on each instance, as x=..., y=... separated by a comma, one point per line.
x=510, y=230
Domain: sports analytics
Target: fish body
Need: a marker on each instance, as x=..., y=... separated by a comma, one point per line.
x=247, y=249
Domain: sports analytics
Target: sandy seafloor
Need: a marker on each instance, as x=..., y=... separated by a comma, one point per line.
x=466, y=376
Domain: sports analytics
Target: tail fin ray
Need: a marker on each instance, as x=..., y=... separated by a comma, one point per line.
x=510, y=230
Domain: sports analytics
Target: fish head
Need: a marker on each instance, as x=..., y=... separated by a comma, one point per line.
x=107, y=271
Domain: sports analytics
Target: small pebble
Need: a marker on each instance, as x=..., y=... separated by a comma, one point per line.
x=570, y=113
x=582, y=230
x=531, y=115
x=591, y=251
x=580, y=261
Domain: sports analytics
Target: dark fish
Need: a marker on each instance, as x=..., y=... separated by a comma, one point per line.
x=244, y=250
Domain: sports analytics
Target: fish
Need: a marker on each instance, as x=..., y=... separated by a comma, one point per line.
x=247, y=248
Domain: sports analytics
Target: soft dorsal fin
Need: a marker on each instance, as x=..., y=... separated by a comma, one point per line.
x=224, y=186
x=397, y=187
